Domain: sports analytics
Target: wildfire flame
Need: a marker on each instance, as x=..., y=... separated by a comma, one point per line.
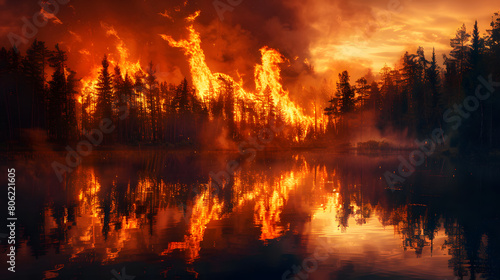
x=267, y=77
x=208, y=84
x=89, y=83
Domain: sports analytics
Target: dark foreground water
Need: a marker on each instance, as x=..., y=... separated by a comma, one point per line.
x=307, y=215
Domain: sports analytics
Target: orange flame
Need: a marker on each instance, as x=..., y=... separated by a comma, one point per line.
x=89, y=83
x=267, y=75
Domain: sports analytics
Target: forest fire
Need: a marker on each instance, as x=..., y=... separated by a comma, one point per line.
x=269, y=100
x=89, y=84
x=267, y=78
x=360, y=129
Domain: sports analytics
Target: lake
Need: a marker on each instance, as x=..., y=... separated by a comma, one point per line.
x=283, y=215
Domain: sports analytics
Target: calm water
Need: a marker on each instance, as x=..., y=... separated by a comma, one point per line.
x=307, y=215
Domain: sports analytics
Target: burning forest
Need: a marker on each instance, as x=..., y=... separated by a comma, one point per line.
x=216, y=110
x=236, y=139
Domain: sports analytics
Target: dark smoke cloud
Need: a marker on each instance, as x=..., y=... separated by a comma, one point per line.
x=296, y=28
x=319, y=38
x=289, y=26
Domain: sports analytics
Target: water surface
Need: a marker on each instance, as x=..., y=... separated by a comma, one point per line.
x=320, y=215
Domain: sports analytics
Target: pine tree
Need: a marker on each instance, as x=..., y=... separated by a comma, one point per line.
x=139, y=88
x=434, y=84
x=476, y=51
x=345, y=93
x=332, y=111
x=181, y=101
x=70, y=120
x=152, y=92
x=362, y=88
x=104, y=93
x=58, y=96
x=120, y=100
x=131, y=103
x=34, y=69
x=460, y=53
x=493, y=103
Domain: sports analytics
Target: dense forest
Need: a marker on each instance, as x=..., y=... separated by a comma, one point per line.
x=418, y=95
x=41, y=93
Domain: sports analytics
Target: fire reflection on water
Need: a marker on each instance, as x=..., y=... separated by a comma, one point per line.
x=111, y=215
x=266, y=197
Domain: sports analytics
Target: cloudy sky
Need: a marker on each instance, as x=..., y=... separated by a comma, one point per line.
x=326, y=35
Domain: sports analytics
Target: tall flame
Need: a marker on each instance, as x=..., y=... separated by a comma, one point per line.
x=267, y=77
x=89, y=83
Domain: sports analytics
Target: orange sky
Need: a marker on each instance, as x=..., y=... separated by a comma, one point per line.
x=397, y=26
x=333, y=35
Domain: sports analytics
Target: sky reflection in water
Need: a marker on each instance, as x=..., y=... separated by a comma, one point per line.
x=155, y=214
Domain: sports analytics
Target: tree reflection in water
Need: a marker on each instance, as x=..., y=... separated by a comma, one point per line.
x=159, y=209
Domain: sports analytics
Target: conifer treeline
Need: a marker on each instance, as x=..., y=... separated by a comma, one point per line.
x=141, y=108
x=411, y=97
x=29, y=100
x=417, y=93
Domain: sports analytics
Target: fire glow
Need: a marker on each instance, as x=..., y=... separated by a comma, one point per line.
x=267, y=77
x=208, y=84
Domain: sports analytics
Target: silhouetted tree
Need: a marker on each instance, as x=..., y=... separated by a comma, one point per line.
x=345, y=93
x=104, y=106
x=152, y=94
x=361, y=89
x=34, y=69
x=60, y=97
x=434, y=85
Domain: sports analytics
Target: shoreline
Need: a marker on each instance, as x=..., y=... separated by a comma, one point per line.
x=336, y=149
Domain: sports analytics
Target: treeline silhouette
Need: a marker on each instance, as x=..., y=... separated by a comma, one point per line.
x=412, y=97
x=29, y=101
x=416, y=94
x=142, y=109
